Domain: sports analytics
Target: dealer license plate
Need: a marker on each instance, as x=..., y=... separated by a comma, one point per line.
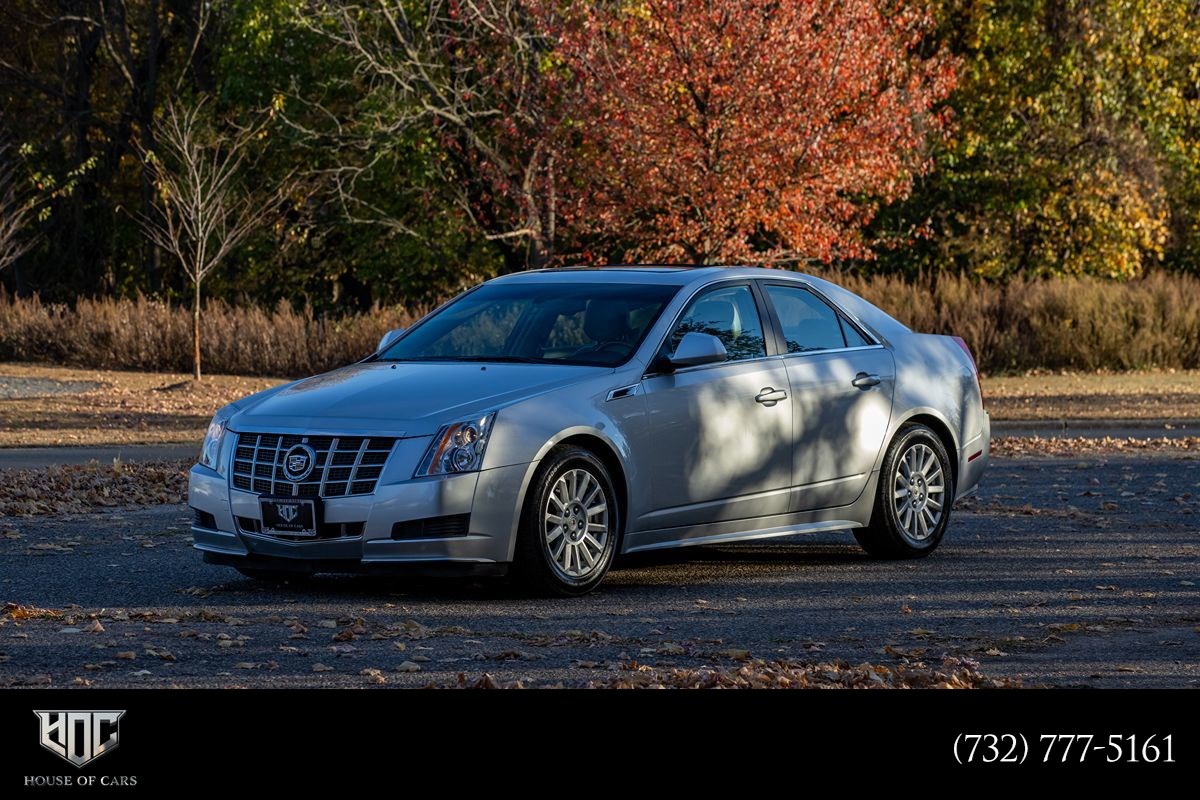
x=289, y=516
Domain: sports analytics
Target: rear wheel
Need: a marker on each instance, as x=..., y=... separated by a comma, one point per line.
x=569, y=527
x=913, y=500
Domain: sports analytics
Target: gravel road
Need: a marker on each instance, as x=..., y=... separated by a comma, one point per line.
x=34, y=457
x=12, y=388
x=1060, y=572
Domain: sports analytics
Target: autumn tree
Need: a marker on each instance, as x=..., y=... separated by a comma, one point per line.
x=473, y=76
x=746, y=130
x=206, y=206
x=1075, y=150
x=80, y=82
x=16, y=210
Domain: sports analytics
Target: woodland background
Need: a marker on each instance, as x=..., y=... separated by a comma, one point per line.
x=1023, y=173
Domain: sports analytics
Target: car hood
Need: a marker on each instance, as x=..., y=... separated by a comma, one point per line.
x=398, y=399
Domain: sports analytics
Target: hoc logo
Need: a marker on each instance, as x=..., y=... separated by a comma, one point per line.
x=289, y=512
x=79, y=736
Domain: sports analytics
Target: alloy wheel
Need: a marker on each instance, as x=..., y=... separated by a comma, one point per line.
x=576, y=524
x=918, y=491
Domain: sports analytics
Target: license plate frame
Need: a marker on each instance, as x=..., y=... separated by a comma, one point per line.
x=273, y=512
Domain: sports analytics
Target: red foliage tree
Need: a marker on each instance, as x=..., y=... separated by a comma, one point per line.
x=762, y=131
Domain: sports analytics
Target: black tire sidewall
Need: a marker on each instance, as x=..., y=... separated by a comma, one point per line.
x=535, y=551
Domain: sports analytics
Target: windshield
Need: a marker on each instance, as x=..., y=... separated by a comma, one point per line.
x=599, y=324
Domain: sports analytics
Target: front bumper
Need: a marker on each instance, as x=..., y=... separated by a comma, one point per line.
x=491, y=497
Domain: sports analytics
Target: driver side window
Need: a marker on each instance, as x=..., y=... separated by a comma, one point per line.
x=728, y=313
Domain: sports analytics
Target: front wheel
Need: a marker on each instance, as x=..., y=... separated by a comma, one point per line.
x=912, y=504
x=569, y=527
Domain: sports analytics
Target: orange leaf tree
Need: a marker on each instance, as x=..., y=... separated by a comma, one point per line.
x=760, y=131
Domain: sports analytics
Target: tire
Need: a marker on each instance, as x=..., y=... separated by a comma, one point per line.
x=569, y=526
x=898, y=529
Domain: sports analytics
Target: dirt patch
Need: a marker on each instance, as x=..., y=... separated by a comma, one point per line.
x=1171, y=394
x=113, y=407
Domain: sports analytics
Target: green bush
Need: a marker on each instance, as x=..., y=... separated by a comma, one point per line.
x=1051, y=323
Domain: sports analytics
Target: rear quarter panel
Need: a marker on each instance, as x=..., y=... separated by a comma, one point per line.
x=936, y=378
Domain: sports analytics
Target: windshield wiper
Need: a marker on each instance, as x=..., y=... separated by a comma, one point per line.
x=501, y=359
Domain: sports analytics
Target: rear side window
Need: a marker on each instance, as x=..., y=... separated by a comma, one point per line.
x=853, y=337
x=728, y=313
x=808, y=322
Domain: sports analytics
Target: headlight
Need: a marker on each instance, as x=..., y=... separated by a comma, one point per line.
x=211, y=449
x=457, y=448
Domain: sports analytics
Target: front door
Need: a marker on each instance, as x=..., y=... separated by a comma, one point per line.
x=718, y=437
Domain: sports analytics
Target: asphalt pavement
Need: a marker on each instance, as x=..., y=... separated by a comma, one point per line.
x=1059, y=572
x=1099, y=428
x=32, y=457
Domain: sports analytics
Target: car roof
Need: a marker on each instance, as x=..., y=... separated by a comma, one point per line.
x=662, y=274
x=882, y=323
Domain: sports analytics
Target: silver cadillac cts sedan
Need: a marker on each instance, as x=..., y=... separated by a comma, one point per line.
x=544, y=422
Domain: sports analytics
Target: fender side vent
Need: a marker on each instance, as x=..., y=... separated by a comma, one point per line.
x=433, y=527
x=624, y=391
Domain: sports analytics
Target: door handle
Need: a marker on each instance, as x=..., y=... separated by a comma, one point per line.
x=863, y=381
x=769, y=397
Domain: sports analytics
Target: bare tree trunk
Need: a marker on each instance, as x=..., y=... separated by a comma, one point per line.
x=204, y=211
x=196, y=330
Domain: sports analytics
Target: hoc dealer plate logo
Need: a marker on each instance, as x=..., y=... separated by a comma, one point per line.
x=79, y=736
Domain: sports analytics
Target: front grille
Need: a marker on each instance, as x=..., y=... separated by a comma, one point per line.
x=432, y=527
x=345, y=465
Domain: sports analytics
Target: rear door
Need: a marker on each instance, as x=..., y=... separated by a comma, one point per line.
x=718, y=440
x=841, y=384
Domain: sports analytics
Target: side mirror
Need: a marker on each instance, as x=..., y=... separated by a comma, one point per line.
x=694, y=350
x=388, y=338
